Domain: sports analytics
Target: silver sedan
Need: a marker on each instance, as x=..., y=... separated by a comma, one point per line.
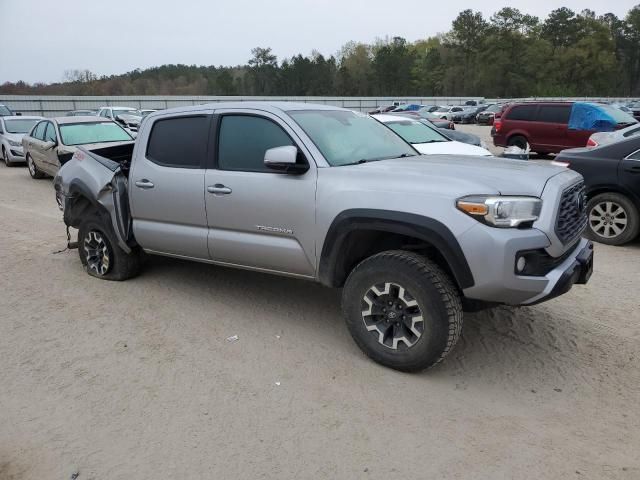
x=12, y=129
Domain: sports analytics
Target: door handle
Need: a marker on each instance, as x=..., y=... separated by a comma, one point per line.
x=219, y=189
x=633, y=169
x=144, y=183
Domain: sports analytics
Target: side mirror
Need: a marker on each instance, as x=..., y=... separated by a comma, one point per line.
x=18, y=114
x=284, y=159
x=49, y=145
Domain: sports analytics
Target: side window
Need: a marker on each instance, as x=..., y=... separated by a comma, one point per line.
x=522, y=112
x=1, y=127
x=554, y=114
x=635, y=156
x=50, y=133
x=244, y=139
x=179, y=142
x=38, y=132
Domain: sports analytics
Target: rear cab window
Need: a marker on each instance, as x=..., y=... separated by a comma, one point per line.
x=179, y=142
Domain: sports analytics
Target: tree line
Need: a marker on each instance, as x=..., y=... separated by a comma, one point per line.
x=510, y=54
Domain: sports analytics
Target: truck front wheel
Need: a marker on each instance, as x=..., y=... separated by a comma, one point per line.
x=100, y=254
x=402, y=310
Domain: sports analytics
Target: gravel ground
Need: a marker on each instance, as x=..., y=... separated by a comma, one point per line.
x=136, y=380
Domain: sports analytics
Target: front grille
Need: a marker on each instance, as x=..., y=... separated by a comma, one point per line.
x=572, y=213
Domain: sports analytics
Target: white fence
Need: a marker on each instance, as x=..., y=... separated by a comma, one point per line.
x=52, y=105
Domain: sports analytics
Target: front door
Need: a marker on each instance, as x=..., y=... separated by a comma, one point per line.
x=166, y=185
x=259, y=218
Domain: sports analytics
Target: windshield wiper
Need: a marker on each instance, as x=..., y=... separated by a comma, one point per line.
x=367, y=160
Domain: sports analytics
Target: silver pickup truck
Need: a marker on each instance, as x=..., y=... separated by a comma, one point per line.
x=331, y=195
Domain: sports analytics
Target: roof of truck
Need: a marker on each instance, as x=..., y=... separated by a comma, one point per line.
x=269, y=106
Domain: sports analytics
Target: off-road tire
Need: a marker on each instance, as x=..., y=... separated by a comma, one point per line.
x=33, y=169
x=121, y=265
x=632, y=227
x=427, y=284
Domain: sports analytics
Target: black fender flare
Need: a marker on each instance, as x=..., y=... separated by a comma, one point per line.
x=429, y=230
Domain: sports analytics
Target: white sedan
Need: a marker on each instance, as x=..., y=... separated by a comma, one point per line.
x=428, y=140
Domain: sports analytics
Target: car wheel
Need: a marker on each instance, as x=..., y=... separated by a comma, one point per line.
x=518, y=141
x=402, y=310
x=613, y=219
x=33, y=169
x=100, y=254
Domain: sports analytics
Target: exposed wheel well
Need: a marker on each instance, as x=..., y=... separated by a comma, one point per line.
x=80, y=207
x=360, y=244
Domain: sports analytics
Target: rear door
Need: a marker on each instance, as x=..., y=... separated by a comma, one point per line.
x=50, y=155
x=259, y=218
x=166, y=184
x=551, y=128
x=519, y=121
x=36, y=144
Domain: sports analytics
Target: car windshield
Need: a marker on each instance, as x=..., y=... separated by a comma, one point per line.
x=84, y=133
x=23, y=125
x=347, y=138
x=415, y=132
x=443, y=109
x=122, y=111
x=618, y=115
x=494, y=109
x=4, y=111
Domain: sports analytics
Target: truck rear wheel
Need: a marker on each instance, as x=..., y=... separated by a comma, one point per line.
x=100, y=254
x=402, y=310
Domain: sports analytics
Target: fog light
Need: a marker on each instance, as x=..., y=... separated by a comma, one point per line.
x=520, y=264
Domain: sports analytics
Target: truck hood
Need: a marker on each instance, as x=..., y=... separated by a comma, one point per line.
x=459, y=175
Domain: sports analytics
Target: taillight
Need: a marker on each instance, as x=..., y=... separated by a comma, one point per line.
x=497, y=124
x=591, y=143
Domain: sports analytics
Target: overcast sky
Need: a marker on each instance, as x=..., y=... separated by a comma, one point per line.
x=43, y=38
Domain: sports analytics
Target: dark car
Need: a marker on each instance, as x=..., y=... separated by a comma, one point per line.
x=612, y=177
x=635, y=110
x=550, y=127
x=383, y=109
x=469, y=115
x=486, y=117
x=408, y=107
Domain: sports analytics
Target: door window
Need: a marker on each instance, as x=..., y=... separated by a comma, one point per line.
x=38, y=132
x=522, y=113
x=179, y=142
x=554, y=114
x=244, y=139
x=634, y=156
x=50, y=133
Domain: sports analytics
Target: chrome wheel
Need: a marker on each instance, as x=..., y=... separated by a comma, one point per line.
x=392, y=314
x=608, y=219
x=96, y=252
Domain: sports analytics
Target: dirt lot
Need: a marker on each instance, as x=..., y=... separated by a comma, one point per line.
x=136, y=380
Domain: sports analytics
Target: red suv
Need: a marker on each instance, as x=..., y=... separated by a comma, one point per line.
x=544, y=126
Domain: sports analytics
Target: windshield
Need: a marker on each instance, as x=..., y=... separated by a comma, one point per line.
x=84, y=133
x=415, y=132
x=618, y=115
x=117, y=112
x=24, y=125
x=443, y=109
x=4, y=111
x=494, y=109
x=347, y=138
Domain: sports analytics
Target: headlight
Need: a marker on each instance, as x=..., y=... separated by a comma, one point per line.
x=13, y=143
x=501, y=211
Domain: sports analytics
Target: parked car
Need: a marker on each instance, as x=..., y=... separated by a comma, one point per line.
x=604, y=138
x=12, y=129
x=427, y=139
x=487, y=116
x=82, y=113
x=428, y=108
x=128, y=117
x=331, y=195
x=383, y=109
x=147, y=111
x=408, y=107
x=549, y=127
x=635, y=110
x=7, y=112
x=52, y=142
x=469, y=114
x=437, y=121
x=463, y=137
x=612, y=177
x=447, y=113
